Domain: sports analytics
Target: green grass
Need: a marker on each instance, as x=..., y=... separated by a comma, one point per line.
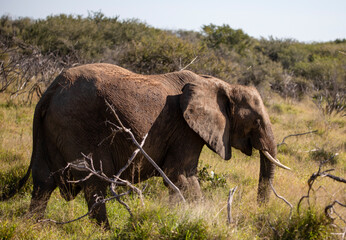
x=206, y=219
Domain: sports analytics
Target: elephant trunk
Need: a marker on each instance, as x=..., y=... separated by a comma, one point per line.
x=266, y=174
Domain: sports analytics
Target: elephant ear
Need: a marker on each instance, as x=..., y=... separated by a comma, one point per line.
x=206, y=109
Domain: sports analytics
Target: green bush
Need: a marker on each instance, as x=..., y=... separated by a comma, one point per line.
x=284, y=65
x=323, y=155
x=212, y=179
x=311, y=224
x=159, y=52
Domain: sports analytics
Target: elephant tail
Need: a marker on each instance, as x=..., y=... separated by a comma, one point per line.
x=15, y=189
x=37, y=149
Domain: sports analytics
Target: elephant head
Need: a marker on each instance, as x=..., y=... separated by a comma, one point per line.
x=228, y=116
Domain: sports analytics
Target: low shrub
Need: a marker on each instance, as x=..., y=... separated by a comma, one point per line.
x=211, y=178
x=322, y=154
x=310, y=224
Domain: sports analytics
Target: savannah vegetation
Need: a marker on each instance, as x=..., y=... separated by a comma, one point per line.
x=303, y=86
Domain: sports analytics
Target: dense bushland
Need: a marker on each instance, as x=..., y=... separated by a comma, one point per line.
x=291, y=68
x=302, y=85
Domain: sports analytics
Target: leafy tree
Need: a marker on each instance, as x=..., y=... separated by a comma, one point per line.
x=218, y=36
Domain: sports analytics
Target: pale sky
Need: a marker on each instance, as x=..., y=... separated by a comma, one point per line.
x=303, y=20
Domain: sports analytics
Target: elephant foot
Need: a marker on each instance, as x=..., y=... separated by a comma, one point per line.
x=100, y=216
x=189, y=187
x=37, y=209
x=96, y=206
x=104, y=224
x=39, y=200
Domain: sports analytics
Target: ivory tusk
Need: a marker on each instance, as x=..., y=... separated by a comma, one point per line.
x=275, y=161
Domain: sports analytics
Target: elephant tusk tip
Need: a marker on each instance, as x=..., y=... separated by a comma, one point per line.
x=275, y=161
x=287, y=168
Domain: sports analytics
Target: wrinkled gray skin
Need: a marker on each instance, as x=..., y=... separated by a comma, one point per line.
x=180, y=111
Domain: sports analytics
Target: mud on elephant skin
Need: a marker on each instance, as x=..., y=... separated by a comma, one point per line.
x=180, y=111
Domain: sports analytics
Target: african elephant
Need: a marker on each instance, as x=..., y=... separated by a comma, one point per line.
x=180, y=111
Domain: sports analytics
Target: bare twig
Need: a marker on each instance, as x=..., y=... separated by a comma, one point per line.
x=336, y=178
x=282, y=198
x=295, y=135
x=189, y=64
x=217, y=214
x=117, y=197
x=98, y=202
x=84, y=166
x=330, y=208
x=134, y=154
x=27, y=68
x=229, y=204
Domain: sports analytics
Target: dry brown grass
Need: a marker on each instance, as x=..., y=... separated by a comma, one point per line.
x=206, y=219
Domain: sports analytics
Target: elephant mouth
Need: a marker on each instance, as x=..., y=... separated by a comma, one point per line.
x=247, y=147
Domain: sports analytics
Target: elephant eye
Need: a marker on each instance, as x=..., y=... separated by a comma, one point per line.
x=257, y=123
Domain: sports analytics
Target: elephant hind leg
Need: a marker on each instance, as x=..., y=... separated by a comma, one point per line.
x=41, y=193
x=94, y=194
x=44, y=185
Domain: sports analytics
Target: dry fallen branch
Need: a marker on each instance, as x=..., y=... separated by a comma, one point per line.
x=330, y=209
x=87, y=165
x=229, y=204
x=314, y=176
x=282, y=198
x=98, y=202
x=116, y=181
x=336, y=178
x=83, y=165
x=295, y=135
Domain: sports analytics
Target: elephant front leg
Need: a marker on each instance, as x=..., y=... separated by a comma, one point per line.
x=94, y=195
x=181, y=164
x=189, y=187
